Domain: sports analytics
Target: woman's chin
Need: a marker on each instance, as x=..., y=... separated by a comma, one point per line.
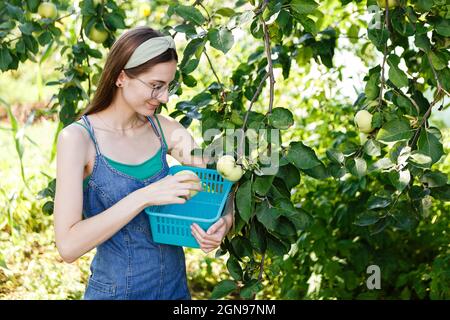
x=147, y=111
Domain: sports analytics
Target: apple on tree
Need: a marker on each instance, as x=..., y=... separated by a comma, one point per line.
x=97, y=35
x=363, y=120
x=192, y=192
x=47, y=10
x=228, y=169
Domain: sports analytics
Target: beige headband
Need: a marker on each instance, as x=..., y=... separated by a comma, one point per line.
x=149, y=49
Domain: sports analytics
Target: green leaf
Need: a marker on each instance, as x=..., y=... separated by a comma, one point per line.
x=429, y=145
x=353, y=33
x=226, y=12
x=357, y=167
x=372, y=148
x=242, y=247
x=289, y=174
x=31, y=44
x=281, y=118
x=276, y=246
x=422, y=42
x=395, y=130
x=45, y=38
x=262, y=184
x=186, y=28
x=401, y=24
x=304, y=6
x=441, y=193
x=423, y=5
x=251, y=288
x=439, y=62
x=190, y=66
x=368, y=218
x=28, y=28
x=244, y=200
x=400, y=179
x=335, y=156
x=221, y=39
x=434, y=179
x=420, y=159
x=258, y=237
x=190, y=50
x=48, y=207
x=234, y=268
x=378, y=37
x=268, y=216
x=222, y=289
x=303, y=157
x=297, y=216
x=377, y=120
x=114, y=21
x=407, y=106
x=5, y=58
x=397, y=76
x=190, y=13
x=189, y=80
x=285, y=228
x=372, y=89
x=376, y=202
x=443, y=27
x=318, y=172
x=403, y=219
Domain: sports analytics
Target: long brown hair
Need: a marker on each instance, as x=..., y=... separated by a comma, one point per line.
x=119, y=55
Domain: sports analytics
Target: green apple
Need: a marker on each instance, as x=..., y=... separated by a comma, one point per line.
x=391, y=3
x=363, y=120
x=192, y=173
x=47, y=10
x=228, y=169
x=98, y=35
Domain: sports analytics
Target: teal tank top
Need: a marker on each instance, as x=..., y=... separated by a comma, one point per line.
x=140, y=171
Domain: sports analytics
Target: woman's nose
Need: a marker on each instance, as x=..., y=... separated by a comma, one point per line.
x=164, y=98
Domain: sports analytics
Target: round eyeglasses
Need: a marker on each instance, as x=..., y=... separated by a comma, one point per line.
x=157, y=89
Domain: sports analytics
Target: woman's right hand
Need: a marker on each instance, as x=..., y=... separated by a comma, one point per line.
x=170, y=189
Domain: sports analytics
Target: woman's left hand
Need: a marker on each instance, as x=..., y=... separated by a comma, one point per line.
x=211, y=239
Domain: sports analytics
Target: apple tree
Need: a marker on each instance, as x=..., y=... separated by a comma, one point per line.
x=384, y=160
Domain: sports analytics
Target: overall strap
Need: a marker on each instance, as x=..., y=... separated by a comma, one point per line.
x=157, y=132
x=91, y=132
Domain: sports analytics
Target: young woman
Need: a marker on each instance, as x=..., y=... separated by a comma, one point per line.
x=111, y=164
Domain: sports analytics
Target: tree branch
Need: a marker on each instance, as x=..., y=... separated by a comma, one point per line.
x=263, y=5
x=269, y=61
x=439, y=95
x=424, y=119
x=255, y=96
x=212, y=68
x=386, y=24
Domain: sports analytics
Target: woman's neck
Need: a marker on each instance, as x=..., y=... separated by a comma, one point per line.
x=120, y=118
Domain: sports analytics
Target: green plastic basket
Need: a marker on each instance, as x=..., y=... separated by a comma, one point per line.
x=170, y=224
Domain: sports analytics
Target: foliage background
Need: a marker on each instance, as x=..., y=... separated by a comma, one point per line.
x=327, y=260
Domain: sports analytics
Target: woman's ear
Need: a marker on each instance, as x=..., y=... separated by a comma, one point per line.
x=121, y=79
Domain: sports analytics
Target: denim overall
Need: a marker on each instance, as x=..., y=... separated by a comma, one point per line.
x=130, y=265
